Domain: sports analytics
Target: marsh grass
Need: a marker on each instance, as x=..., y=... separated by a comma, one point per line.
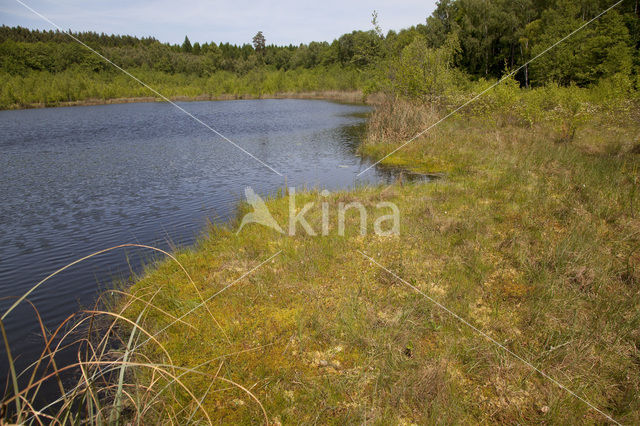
x=534, y=242
x=103, y=384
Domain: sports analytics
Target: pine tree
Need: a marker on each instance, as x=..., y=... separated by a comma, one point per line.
x=186, y=45
x=259, y=42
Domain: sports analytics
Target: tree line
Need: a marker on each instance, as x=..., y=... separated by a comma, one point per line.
x=470, y=39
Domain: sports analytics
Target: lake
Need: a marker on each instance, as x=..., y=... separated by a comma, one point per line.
x=79, y=179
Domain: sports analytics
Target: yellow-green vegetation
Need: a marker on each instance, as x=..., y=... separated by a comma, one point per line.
x=531, y=237
x=42, y=88
x=562, y=110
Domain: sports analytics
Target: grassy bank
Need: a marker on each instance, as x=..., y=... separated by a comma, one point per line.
x=79, y=87
x=532, y=240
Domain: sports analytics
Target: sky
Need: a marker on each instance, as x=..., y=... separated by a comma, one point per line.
x=234, y=21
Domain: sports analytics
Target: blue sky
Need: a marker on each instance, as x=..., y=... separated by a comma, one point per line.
x=235, y=21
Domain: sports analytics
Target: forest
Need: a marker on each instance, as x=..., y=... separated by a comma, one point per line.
x=479, y=40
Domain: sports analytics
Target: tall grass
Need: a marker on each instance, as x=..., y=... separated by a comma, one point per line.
x=563, y=109
x=103, y=384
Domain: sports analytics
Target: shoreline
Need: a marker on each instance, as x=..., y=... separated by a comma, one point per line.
x=348, y=97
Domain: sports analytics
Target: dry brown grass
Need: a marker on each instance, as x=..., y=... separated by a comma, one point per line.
x=396, y=119
x=350, y=97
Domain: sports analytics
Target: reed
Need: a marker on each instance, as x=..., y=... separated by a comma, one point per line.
x=105, y=385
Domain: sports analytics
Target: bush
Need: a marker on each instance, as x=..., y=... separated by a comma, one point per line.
x=422, y=73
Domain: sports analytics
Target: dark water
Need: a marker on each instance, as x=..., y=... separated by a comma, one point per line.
x=80, y=179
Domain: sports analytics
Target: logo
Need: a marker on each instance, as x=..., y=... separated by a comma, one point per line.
x=384, y=225
x=260, y=214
